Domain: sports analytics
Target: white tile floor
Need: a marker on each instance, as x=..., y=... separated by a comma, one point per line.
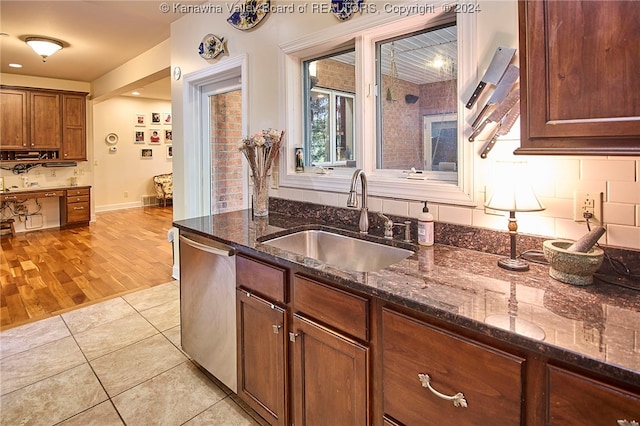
x=117, y=362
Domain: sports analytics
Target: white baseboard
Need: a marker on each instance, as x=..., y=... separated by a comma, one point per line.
x=122, y=206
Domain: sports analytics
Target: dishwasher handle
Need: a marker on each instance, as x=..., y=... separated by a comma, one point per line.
x=218, y=249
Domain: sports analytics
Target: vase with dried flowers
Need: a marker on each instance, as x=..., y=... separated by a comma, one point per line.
x=261, y=150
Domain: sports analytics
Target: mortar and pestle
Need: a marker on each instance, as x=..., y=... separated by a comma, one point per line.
x=574, y=262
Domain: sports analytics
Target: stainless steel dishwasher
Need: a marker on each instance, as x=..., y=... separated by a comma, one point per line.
x=208, y=305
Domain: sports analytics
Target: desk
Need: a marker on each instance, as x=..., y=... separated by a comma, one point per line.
x=74, y=202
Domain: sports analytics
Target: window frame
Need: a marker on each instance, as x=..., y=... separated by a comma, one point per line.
x=364, y=33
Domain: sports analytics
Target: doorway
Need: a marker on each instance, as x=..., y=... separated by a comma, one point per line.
x=211, y=132
x=225, y=131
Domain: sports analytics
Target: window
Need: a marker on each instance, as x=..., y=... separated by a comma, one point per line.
x=330, y=111
x=420, y=132
x=331, y=127
x=417, y=80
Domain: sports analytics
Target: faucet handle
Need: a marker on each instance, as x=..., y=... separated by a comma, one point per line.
x=388, y=226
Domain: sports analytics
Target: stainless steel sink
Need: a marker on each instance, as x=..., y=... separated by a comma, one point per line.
x=340, y=250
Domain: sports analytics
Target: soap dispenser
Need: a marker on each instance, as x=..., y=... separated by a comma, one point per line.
x=425, y=227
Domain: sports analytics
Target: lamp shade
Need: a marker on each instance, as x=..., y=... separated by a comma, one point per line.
x=512, y=191
x=43, y=46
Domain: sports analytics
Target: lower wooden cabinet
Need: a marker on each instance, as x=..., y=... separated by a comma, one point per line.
x=330, y=377
x=576, y=399
x=262, y=367
x=76, y=208
x=467, y=384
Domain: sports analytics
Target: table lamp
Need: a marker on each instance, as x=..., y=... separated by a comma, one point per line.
x=512, y=192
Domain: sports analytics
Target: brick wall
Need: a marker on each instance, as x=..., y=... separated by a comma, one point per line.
x=226, y=132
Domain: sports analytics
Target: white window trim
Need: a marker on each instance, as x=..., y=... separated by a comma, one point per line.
x=365, y=32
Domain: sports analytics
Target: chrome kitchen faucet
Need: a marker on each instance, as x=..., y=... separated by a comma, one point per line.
x=352, y=201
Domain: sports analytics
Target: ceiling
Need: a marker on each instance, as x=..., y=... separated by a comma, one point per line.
x=98, y=36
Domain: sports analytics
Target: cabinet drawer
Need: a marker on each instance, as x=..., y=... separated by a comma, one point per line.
x=577, y=399
x=267, y=280
x=490, y=381
x=77, y=199
x=335, y=308
x=31, y=195
x=78, y=212
x=77, y=192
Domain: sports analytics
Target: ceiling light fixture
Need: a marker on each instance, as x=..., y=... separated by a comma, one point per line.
x=44, y=47
x=15, y=65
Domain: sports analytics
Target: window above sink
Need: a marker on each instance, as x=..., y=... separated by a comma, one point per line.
x=360, y=132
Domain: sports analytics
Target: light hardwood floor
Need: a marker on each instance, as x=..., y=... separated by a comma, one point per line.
x=45, y=273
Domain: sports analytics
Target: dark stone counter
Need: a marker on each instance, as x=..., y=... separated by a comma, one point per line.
x=595, y=327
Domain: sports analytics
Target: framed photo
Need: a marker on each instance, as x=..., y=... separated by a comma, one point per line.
x=168, y=136
x=139, y=136
x=154, y=136
x=169, y=151
x=146, y=153
x=166, y=118
x=141, y=120
x=155, y=118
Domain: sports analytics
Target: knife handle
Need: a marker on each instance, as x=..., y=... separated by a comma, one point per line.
x=489, y=145
x=479, y=117
x=476, y=94
x=478, y=130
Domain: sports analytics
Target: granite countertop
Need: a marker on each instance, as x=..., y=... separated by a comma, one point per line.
x=595, y=327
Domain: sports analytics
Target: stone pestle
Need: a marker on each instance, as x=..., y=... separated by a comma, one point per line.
x=584, y=244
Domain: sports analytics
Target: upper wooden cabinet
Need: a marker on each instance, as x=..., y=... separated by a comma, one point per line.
x=13, y=118
x=43, y=120
x=580, y=91
x=74, y=145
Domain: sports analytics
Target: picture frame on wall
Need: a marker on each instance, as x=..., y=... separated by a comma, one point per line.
x=146, y=153
x=141, y=120
x=168, y=136
x=154, y=136
x=139, y=136
x=166, y=118
x=169, y=151
x=155, y=118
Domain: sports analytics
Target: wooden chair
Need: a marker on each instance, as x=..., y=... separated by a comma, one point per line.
x=8, y=224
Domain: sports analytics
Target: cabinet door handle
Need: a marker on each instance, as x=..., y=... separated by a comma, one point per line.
x=276, y=329
x=458, y=399
x=292, y=336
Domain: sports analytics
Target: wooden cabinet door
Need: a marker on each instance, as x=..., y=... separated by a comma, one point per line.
x=74, y=140
x=13, y=119
x=261, y=357
x=490, y=382
x=45, y=126
x=330, y=377
x=575, y=399
x=579, y=65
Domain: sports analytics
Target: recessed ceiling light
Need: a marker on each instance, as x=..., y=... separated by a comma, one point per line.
x=135, y=93
x=15, y=65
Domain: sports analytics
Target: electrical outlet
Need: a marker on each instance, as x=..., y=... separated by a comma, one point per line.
x=587, y=202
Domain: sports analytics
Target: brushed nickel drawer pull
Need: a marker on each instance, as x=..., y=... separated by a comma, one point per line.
x=458, y=399
x=50, y=194
x=78, y=208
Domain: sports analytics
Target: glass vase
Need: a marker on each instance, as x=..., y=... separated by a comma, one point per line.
x=261, y=197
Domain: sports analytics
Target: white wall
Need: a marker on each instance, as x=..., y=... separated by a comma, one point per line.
x=557, y=177
x=122, y=177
